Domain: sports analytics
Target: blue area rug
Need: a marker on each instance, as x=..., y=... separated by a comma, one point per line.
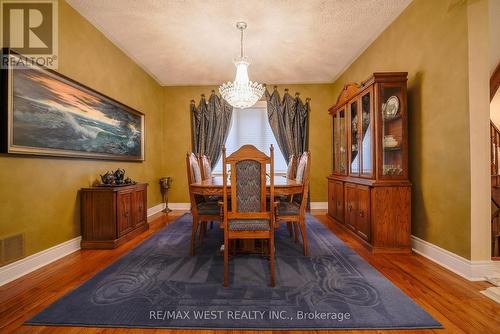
x=157, y=284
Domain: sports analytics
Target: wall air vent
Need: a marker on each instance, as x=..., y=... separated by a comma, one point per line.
x=11, y=249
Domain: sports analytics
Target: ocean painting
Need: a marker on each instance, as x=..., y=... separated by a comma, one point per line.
x=52, y=115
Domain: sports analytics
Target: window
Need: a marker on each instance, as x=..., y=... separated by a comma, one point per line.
x=250, y=126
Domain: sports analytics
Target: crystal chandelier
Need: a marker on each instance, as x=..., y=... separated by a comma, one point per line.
x=241, y=93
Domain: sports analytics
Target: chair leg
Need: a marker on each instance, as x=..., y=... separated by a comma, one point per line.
x=193, y=235
x=211, y=225
x=290, y=228
x=203, y=230
x=271, y=263
x=303, y=231
x=226, y=260
x=296, y=234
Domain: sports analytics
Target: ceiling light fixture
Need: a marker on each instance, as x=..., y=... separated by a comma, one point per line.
x=241, y=93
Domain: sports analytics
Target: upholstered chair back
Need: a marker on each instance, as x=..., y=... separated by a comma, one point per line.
x=206, y=167
x=248, y=186
x=194, y=171
x=301, y=167
x=303, y=173
x=248, y=179
x=193, y=176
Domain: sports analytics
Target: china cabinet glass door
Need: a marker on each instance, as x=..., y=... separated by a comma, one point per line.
x=342, y=141
x=366, y=130
x=339, y=142
x=354, y=139
x=336, y=141
x=393, y=165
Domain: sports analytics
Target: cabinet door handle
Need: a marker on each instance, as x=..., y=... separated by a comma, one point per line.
x=361, y=213
x=126, y=214
x=350, y=207
x=338, y=203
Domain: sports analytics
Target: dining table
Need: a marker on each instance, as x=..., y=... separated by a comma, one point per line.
x=214, y=186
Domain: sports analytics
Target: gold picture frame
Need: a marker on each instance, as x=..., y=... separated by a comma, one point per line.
x=46, y=113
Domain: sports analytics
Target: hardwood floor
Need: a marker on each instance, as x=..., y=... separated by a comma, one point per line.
x=452, y=300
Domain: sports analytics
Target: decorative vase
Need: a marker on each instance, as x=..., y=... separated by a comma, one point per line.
x=165, y=184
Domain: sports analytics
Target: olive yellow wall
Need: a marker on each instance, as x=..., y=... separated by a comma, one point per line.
x=178, y=134
x=429, y=41
x=39, y=196
x=479, y=122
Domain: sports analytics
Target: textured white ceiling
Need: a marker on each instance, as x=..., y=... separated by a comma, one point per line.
x=193, y=42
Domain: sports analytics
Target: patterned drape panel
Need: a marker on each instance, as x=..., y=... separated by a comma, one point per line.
x=289, y=120
x=210, y=122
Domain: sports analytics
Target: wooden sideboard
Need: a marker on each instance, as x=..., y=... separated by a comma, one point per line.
x=112, y=215
x=369, y=192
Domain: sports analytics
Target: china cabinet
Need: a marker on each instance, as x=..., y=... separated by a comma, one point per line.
x=369, y=192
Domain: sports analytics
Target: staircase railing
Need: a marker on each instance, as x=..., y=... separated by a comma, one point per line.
x=495, y=152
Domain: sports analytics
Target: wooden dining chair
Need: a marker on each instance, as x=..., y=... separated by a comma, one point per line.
x=294, y=211
x=290, y=174
x=247, y=216
x=206, y=174
x=203, y=210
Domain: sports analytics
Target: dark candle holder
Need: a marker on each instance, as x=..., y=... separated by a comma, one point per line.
x=165, y=184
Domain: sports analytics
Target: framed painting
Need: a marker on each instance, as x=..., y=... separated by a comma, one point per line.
x=46, y=113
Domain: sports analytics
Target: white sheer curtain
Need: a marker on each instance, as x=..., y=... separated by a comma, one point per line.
x=251, y=126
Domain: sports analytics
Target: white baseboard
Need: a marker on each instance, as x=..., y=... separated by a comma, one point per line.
x=24, y=266
x=319, y=205
x=471, y=270
x=179, y=206
x=155, y=209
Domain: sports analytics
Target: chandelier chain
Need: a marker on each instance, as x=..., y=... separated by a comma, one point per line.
x=241, y=43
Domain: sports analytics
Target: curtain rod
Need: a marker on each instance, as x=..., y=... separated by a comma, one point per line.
x=297, y=94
